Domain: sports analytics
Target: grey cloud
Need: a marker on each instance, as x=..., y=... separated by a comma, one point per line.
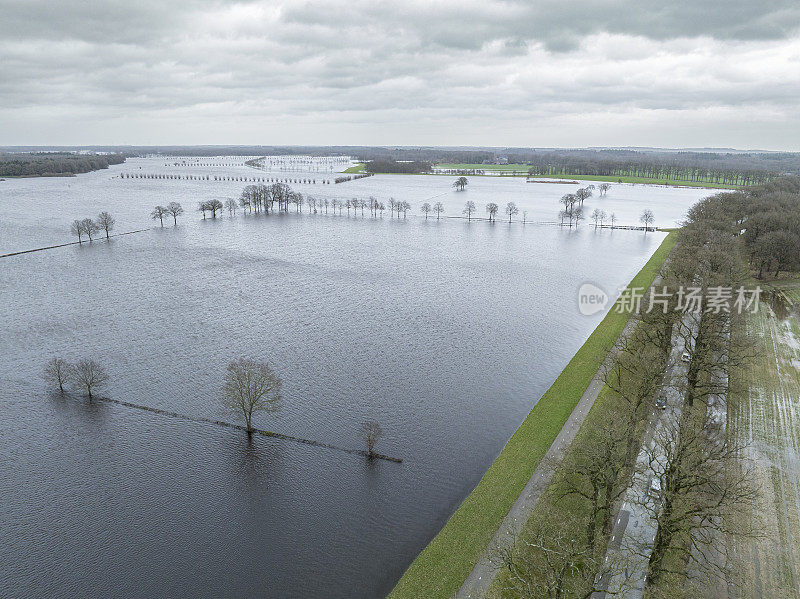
x=408, y=67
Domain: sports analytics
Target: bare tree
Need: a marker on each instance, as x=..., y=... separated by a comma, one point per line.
x=595, y=216
x=647, y=219
x=251, y=386
x=106, y=222
x=214, y=205
x=159, y=212
x=175, y=209
x=372, y=431
x=404, y=206
x=90, y=227
x=511, y=210
x=89, y=375
x=492, y=209
x=550, y=560
x=438, y=208
x=76, y=228
x=524, y=216
x=604, y=187
x=461, y=183
x=613, y=218
x=469, y=208
x=705, y=481
x=57, y=371
x=426, y=208
x=230, y=205
x=582, y=194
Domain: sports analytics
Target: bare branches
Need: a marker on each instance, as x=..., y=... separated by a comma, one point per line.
x=371, y=431
x=251, y=386
x=88, y=375
x=57, y=371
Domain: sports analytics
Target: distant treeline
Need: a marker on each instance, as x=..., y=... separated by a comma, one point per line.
x=52, y=164
x=701, y=167
x=393, y=166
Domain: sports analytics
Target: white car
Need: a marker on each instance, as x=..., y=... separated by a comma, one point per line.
x=654, y=487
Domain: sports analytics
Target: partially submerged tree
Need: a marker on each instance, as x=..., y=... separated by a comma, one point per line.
x=76, y=228
x=90, y=227
x=159, y=212
x=491, y=209
x=511, y=210
x=469, y=208
x=89, y=376
x=106, y=222
x=214, y=206
x=371, y=431
x=251, y=386
x=175, y=209
x=460, y=183
x=647, y=219
x=230, y=205
x=438, y=208
x=426, y=208
x=582, y=194
x=57, y=372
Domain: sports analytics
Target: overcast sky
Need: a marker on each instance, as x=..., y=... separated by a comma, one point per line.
x=668, y=73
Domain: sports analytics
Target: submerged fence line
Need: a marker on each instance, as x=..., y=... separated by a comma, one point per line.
x=61, y=245
x=257, y=431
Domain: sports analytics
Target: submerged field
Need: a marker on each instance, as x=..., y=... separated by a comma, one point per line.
x=446, y=332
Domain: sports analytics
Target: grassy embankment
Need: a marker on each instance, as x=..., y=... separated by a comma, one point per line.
x=523, y=169
x=357, y=168
x=445, y=563
x=764, y=410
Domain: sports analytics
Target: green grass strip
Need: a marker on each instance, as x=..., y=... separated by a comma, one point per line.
x=443, y=566
x=358, y=168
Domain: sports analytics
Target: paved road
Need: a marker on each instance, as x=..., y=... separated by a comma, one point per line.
x=635, y=529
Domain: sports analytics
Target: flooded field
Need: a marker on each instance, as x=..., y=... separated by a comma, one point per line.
x=446, y=332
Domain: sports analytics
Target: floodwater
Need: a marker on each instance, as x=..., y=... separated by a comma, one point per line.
x=446, y=332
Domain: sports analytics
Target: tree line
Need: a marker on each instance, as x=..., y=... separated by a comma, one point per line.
x=41, y=164
x=307, y=181
x=92, y=227
x=706, y=495
x=689, y=167
x=393, y=166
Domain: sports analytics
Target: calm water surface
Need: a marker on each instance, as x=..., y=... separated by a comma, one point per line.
x=446, y=332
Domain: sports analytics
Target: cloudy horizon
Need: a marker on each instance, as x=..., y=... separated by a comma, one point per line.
x=526, y=74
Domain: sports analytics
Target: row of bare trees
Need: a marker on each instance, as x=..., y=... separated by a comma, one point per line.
x=707, y=495
x=92, y=227
x=250, y=387
x=173, y=209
